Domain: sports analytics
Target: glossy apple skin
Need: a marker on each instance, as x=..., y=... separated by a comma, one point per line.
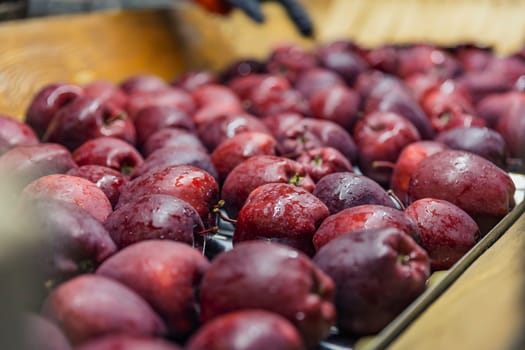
x=399, y=265
x=229, y=332
x=447, y=232
x=141, y=83
x=242, y=68
x=166, y=274
x=484, y=142
x=189, y=183
x=214, y=132
x=290, y=61
x=308, y=133
x=512, y=126
x=71, y=189
x=108, y=180
x=86, y=118
x=91, y=306
x=407, y=163
x=154, y=216
x=176, y=155
x=338, y=104
x=322, y=161
x=381, y=137
x=214, y=94
x=14, y=133
x=342, y=190
x=273, y=96
x=280, y=213
x=272, y=277
x=110, y=152
x=469, y=181
x=192, y=80
x=25, y=164
x=233, y=151
x=385, y=93
x=341, y=59
x=427, y=59
x=70, y=240
x=154, y=118
x=444, y=96
x=107, y=92
x=494, y=106
x=168, y=97
x=361, y=217
x=315, y=80
x=46, y=102
x=42, y=334
x=171, y=137
x=128, y=342
x=259, y=170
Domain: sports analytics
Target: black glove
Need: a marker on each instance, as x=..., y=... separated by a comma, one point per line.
x=295, y=11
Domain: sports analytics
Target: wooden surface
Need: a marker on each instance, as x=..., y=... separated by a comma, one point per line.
x=82, y=48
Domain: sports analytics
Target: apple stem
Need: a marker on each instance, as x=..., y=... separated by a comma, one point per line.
x=214, y=229
x=396, y=199
x=383, y=164
x=217, y=210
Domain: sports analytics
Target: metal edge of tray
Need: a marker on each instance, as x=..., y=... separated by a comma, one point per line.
x=384, y=338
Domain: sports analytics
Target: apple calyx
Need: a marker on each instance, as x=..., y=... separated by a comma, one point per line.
x=295, y=179
x=317, y=161
x=403, y=259
x=109, y=118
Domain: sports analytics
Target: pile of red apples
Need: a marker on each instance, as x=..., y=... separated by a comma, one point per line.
x=346, y=174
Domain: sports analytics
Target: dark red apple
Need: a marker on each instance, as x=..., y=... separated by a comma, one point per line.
x=243, y=85
x=427, y=59
x=308, y=133
x=272, y=277
x=315, y=80
x=467, y=180
x=108, y=180
x=110, y=152
x=154, y=216
x=166, y=274
x=342, y=60
x=107, y=92
x=242, y=68
x=473, y=58
x=189, y=183
x=322, y=161
x=70, y=240
x=447, y=232
x=377, y=272
x=494, y=106
x=445, y=96
x=338, y=104
x=142, y=83
x=344, y=190
x=86, y=118
x=91, y=306
x=14, y=133
x=154, y=118
x=290, y=61
x=172, y=137
x=455, y=117
x=512, y=127
x=211, y=112
x=72, y=189
x=484, y=142
x=214, y=94
x=233, y=151
x=278, y=124
x=380, y=137
x=407, y=163
x=23, y=164
x=192, y=80
x=259, y=170
x=176, y=155
x=281, y=213
x=268, y=331
x=365, y=216
x=46, y=102
x=168, y=97
x=127, y=342
x=384, y=58
x=224, y=127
